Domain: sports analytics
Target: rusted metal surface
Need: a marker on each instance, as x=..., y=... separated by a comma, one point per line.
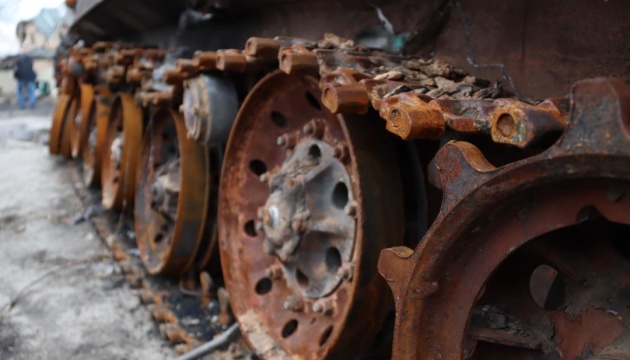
x=65, y=140
x=101, y=67
x=529, y=43
x=470, y=282
x=411, y=118
x=523, y=44
x=343, y=94
x=173, y=196
x=231, y=60
x=261, y=47
x=79, y=124
x=419, y=98
x=210, y=104
x=298, y=60
x=74, y=119
x=121, y=152
x=299, y=220
x=355, y=79
x=507, y=121
x=96, y=125
x=58, y=124
x=299, y=252
x=64, y=114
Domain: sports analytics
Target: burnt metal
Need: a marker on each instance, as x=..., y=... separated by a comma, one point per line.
x=65, y=142
x=95, y=128
x=57, y=131
x=286, y=283
x=285, y=145
x=85, y=103
x=74, y=118
x=419, y=98
x=480, y=37
x=507, y=121
x=489, y=213
x=119, y=162
x=354, y=78
x=210, y=104
x=173, y=195
x=231, y=60
x=530, y=43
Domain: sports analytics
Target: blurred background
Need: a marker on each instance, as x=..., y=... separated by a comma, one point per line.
x=36, y=28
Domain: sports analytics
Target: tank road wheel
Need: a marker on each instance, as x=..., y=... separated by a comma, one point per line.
x=529, y=260
x=121, y=152
x=95, y=127
x=78, y=125
x=68, y=126
x=306, y=200
x=74, y=121
x=172, y=199
x=57, y=127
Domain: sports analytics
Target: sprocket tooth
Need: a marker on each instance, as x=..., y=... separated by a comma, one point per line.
x=459, y=167
x=600, y=119
x=489, y=213
x=395, y=265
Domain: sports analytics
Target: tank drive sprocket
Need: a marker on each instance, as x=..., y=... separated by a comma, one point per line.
x=527, y=260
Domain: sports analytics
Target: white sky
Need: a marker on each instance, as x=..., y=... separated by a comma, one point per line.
x=14, y=12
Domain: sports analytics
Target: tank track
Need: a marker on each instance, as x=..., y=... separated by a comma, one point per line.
x=363, y=110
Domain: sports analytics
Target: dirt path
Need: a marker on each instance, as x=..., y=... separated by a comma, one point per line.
x=70, y=299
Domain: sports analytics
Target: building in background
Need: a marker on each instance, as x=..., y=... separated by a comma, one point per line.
x=39, y=37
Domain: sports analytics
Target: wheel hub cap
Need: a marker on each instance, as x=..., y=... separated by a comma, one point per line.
x=307, y=219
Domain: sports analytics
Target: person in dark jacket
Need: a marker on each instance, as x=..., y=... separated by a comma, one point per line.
x=25, y=77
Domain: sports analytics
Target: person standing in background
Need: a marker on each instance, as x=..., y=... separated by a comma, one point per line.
x=25, y=76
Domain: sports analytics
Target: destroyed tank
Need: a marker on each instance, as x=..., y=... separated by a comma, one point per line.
x=405, y=180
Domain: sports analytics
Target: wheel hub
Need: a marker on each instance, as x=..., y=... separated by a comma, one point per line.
x=116, y=150
x=78, y=118
x=76, y=129
x=95, y=127
x=165, y=189
x=88, y=166
x=304, y=220
x=92, y=138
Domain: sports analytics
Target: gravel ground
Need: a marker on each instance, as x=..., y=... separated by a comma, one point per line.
x=61, y=294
